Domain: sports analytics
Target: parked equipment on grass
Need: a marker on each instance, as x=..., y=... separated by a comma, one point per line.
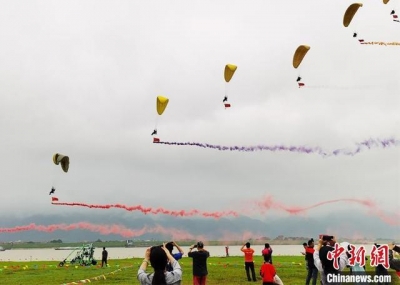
x=84, y=256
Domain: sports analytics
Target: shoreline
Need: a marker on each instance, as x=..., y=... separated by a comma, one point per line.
x=111, y=244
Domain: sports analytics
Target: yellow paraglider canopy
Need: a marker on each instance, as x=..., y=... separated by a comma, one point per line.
x=350, y=12
x=385, y=1
x=162, y=103
x=299, y=54
x=63, y=159
x=229, y=71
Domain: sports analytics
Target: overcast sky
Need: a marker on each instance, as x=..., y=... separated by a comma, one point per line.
x=81, y=78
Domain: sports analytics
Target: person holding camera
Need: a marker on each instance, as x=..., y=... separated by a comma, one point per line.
x=267, y=253
x=170, y=246
x=322, y=263
x=158, y=257
x=199, y=263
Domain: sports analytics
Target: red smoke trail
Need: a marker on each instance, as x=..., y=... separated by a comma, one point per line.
x=180, y=213
x=268, y=203
x=175, y=234
x=102, y=229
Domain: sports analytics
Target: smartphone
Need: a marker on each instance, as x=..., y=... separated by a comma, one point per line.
x=325, y=237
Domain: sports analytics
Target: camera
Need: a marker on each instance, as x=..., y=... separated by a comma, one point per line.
x=326, y=237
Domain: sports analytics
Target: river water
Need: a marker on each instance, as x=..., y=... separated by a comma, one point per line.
x=50, y=254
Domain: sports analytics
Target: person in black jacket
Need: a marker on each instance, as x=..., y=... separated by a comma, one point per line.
x=104, y=256
x=326, y=245
x=199, y=263
x=394, y=263
x=312, y=271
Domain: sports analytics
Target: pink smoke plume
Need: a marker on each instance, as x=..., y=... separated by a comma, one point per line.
x=173, y=233
x=367, y=144
x=268, y=203
x=102, y=229
x=155, y=211
x=264, y=205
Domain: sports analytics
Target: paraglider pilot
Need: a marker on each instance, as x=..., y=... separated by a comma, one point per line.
x=154, y=132
x=52, y=190
x=298, y=79
x=354, y=35
x=395, y=17
x=225, y=99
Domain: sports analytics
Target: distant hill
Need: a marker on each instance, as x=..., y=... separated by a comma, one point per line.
x=345, y=225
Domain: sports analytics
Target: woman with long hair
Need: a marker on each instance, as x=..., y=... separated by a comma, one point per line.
x=158, y=257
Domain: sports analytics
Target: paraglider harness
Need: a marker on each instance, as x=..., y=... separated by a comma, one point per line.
x=83, y=257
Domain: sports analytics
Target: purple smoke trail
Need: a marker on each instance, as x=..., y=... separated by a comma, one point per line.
x=371, y=143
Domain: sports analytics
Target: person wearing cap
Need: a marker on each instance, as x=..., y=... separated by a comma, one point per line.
x=199, y=263
x=312, y=271
x=248, y=261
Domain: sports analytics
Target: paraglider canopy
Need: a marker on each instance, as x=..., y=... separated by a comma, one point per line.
x=299, y=54
x=350, y=12
x=385, y=1
x=162, y=103
x=63, y=159
x=229, y=71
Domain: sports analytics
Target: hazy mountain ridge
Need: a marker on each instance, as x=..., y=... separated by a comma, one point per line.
x=240, y=228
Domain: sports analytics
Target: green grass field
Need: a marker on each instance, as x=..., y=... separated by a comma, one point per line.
x=230, y=270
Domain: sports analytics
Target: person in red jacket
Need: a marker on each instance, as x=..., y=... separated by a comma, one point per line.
x=267, y=273
x=312, y=271
x=267, y=253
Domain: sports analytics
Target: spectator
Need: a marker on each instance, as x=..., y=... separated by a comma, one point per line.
x=321, y=261
x=176, y=256
x=159, y=256
x=199, y=263
x=267, y=253
x=248, y=261
x=394, y=263
x=312, y=271
x=268, y=273
x=104, y=256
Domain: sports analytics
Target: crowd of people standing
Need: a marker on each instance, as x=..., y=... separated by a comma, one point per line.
x=167, y=270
